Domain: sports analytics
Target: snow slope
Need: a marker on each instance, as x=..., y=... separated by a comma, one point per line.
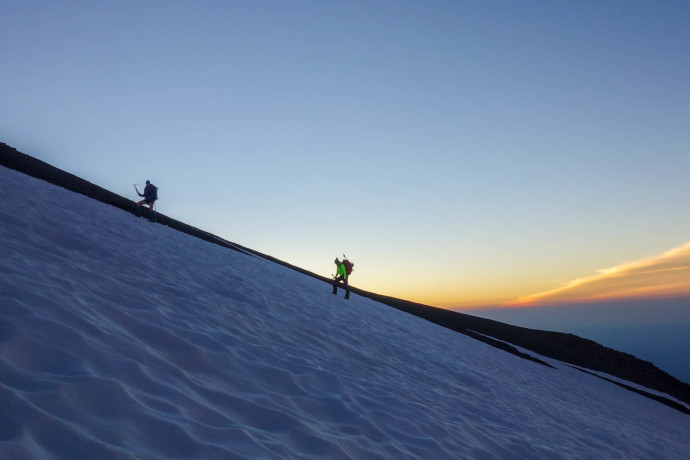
x=125, y=339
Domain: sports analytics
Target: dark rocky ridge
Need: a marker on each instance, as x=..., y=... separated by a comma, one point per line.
x=563, y=347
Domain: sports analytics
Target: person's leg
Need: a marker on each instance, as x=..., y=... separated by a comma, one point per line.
x=347, y=290
x=335, y=284
x=152, y=213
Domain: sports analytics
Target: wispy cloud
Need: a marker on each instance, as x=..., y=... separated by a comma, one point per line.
x=664, y=275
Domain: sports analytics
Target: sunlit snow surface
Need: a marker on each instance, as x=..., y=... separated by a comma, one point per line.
x=120, y=338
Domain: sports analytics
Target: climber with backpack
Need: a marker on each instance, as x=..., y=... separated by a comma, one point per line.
x=150, y=196
x=343, y=271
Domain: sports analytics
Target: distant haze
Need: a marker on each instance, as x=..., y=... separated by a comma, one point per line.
x=654, y=330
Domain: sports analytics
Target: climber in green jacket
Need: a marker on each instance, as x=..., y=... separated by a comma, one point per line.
x=343, y=271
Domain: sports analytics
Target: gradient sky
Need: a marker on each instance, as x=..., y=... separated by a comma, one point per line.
x=461, y=153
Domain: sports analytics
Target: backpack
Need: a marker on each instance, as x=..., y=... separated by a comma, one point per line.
x=152, y=192
x=348, y=266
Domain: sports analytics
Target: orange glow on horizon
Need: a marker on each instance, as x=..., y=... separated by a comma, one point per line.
x=667, y=275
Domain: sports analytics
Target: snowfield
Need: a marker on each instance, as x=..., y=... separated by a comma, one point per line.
x=120, y=338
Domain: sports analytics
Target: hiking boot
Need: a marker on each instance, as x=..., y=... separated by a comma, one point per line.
x=347, y=295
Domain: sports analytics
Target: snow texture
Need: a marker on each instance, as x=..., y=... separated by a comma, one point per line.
x=121, y=338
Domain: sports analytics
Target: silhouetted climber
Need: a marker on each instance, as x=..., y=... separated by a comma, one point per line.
x=150, y=196
x=343, y=271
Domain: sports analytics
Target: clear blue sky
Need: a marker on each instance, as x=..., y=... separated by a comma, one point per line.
x=460, y=153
